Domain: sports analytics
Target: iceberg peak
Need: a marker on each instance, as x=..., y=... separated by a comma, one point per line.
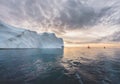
x=12, y=37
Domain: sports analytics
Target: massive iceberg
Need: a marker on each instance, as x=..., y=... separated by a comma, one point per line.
x=12, y=37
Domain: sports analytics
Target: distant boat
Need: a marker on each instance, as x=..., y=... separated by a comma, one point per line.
x=104, y=47
x=88, y=47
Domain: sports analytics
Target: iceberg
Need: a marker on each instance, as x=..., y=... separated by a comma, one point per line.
x=12, y=37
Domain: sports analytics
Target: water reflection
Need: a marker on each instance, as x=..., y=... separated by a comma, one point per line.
x=93, y=66
x=25, y=65
x=58, y=66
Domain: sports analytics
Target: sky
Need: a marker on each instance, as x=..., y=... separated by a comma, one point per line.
x=76, y=21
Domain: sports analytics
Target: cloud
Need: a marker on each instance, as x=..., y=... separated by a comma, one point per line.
x=115, y=37
x=72, y=13
x=61, y=16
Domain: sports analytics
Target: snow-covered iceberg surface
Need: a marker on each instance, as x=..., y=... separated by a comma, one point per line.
x=11, y=37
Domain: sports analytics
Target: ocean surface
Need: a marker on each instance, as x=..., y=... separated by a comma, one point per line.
x=60, y=66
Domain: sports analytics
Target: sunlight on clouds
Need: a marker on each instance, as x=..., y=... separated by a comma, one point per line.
x=73, y=20
x=90, y=34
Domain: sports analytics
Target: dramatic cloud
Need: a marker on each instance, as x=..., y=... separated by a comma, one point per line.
x=115, y=37
x=78, y=20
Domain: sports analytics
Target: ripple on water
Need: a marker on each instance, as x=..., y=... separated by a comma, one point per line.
x=73, y=66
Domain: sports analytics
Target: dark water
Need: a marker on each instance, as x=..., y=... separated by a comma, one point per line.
x=57, y=66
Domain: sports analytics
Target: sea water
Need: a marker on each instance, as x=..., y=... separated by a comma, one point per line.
x=60, y=66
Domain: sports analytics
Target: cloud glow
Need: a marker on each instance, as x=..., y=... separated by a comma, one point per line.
x=74, y=20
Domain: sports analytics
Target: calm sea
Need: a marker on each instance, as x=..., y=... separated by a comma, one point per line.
x=60, y=66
